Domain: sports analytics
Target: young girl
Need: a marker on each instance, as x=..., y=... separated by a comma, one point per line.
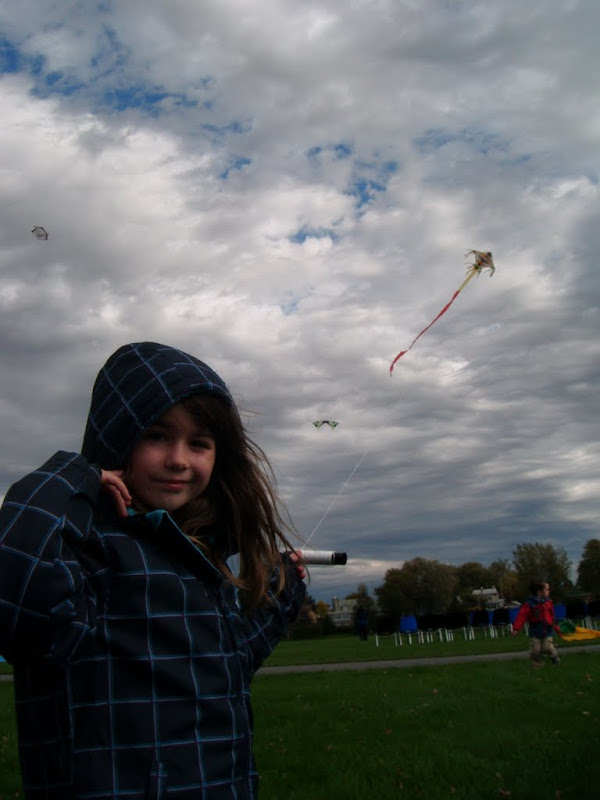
x=133, y=643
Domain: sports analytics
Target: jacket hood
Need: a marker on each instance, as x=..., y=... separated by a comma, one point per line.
x=137, y=384
x=537, y=601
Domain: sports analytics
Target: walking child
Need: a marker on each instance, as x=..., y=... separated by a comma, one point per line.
x=538, y=613
x=133, y=642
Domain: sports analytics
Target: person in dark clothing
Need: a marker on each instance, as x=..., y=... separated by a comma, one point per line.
x=133, y=641
x=362, y=623
x=538, y=613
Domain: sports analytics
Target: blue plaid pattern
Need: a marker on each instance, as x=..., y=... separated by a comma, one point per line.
x=132, y=660
x=137, y=384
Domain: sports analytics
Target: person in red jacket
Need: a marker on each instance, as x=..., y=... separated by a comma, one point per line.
x=538, y=613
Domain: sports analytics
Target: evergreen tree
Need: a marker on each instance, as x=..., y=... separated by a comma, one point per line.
x=588, y=571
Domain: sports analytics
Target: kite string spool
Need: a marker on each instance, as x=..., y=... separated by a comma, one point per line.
x=328, y=557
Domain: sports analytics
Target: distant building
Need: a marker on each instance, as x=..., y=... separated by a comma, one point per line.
x=341, y=612
x=488, y=598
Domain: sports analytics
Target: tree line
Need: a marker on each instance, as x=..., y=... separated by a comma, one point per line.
x=425, y=587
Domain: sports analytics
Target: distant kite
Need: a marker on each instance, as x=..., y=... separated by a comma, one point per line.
x=320, y=422
x=481, y=261
x=39, y=232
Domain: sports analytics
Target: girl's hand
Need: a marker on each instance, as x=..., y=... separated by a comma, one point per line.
x=300, y=568
x=113, y=484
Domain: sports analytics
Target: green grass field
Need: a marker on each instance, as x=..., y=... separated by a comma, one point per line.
x=340, y=648
x=468, y=732
x=465, y=732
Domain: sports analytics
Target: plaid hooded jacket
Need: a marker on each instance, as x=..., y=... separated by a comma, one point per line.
x=132, y=661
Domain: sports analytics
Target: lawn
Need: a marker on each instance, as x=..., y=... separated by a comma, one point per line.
x=465, y=732
x=340, y=648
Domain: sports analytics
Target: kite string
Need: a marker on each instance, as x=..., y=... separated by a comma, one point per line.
x=347, y=481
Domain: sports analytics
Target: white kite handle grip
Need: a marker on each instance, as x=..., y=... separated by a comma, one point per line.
x=329, y=557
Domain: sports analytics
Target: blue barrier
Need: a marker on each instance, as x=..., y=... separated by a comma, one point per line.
x=408, y=624
x=512, y=612
x=560, y=611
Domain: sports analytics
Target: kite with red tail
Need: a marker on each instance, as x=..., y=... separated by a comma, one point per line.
x=481, y=261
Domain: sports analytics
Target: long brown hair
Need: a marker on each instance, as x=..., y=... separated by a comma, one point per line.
x=240, y=510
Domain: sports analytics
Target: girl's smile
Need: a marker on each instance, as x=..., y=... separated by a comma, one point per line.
x=172, y=463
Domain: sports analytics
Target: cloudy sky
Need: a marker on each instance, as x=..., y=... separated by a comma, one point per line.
x=287, y=190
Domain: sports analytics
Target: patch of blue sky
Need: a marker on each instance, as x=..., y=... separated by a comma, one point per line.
x=306, y=232
x=370, y=179
x=149, y=99
x=290, y=303
x=57, y=83
x=218, y=133
x=483, y=141
x=340, y=150
x=365, y=190
x=290, y=307
x=111, y=60
x=11, y=58
x=433, y=139
x=237, y=163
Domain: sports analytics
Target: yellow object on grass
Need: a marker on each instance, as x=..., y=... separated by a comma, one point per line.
x=580, y=635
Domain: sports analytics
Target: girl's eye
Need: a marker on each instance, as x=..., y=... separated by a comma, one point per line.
x=201, y=444
x=155, y=436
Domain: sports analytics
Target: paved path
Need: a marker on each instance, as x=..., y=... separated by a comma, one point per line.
x=393, y=664
x=413, y=662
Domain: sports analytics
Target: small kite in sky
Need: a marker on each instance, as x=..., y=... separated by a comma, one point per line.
x=39, y=232
x=320, y=422
x=481, y=261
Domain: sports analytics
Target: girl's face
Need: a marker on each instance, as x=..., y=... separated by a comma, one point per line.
x=172, y=462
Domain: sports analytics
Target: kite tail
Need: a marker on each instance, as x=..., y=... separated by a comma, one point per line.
x=443, y=311
x=473, y=271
